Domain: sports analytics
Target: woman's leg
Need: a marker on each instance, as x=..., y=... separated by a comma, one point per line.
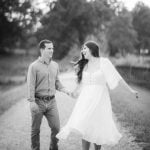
x=85, y=145
x=97, y=147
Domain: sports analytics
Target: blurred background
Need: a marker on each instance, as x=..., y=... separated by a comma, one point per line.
x=120, y=27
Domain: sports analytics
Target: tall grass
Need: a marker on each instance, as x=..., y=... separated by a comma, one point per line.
x=13, y=69
x=134, y=114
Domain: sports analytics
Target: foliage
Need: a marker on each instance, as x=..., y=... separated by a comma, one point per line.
x=141, y=23
x=16, y=20
x=69, y=22
x=121, y=34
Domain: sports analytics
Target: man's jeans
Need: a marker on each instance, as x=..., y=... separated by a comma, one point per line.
x=50, y=111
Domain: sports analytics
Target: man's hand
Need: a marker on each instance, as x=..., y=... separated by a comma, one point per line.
x=33, y=104
x=74, y=95
x=66, y=92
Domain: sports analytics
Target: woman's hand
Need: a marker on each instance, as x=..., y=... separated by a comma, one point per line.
x=128, y=88
x=135, y=93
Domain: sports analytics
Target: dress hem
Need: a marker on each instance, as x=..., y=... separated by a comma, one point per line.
x=77, y=131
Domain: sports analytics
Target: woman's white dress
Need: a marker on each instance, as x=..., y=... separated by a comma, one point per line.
x=92, y=114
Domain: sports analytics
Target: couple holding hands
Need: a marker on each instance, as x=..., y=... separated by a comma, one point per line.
x=92, y=114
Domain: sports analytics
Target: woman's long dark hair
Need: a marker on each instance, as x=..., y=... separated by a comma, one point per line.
x=94, y=49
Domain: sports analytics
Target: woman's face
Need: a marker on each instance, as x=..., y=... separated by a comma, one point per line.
x=86, y=52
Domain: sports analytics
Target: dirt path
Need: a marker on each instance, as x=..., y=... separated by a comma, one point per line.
x=15, y=126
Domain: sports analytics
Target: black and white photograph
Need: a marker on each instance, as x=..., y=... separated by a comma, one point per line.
x=75, y=75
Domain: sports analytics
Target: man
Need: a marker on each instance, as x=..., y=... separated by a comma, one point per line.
x=43, y=81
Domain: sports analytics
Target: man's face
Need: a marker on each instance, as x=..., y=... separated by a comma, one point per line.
x=47, y=52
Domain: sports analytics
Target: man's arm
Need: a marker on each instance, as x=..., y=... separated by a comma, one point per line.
x=59, y=85
x=31, y=79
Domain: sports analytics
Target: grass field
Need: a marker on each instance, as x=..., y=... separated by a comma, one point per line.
x=13, y=70
x=134, y=114
x=14, y=65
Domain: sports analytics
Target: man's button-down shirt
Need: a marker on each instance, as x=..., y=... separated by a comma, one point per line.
x=42, y=79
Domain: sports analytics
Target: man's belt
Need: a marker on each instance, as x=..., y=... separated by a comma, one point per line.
x=45, y=98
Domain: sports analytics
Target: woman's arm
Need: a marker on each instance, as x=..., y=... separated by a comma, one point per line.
x=113, y=78
x=128, y=88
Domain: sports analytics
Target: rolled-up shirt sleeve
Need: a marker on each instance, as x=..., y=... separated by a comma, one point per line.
x=31, y=80
x=58, y=84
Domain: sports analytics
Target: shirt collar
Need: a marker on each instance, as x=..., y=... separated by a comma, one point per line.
x=44, y=61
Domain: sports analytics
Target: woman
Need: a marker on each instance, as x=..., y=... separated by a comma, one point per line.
x=92, y=114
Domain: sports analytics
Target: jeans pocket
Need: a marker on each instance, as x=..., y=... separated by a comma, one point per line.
x=34, y=106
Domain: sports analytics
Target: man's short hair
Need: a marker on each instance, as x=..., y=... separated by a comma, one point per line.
x=43, y=42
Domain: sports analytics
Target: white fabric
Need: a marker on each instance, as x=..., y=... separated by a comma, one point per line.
x=92, y=114
x=111, y=75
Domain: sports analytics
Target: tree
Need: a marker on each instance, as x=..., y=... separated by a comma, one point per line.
x=141, y=23
x=121, y=34
x=69, y=22
x=16, y=20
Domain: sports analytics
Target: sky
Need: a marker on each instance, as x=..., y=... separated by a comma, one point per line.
x=131, y=3
x=128, y=3
x=42, y=4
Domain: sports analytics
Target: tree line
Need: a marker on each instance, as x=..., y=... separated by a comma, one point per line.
x=70, y=22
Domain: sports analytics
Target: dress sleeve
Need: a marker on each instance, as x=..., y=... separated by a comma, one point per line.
x=111, y=74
